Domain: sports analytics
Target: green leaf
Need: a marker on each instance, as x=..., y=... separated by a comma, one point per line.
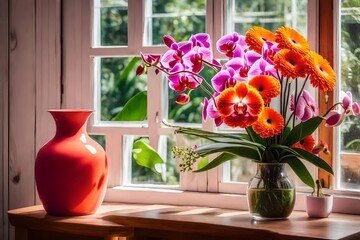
x=300, y=170
x=145, y=155
x=202, y=162
x=128, y=72
x=217, y=161
x=135, y=109
x=235, y=149
x=302, y=130
x=308, y=156
x=241, y=139
x=254, y=136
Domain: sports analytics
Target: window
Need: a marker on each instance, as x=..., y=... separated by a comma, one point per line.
x=120, y=29
x=348, y=177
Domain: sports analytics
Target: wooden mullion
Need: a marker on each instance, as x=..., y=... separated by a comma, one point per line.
x=326, y=46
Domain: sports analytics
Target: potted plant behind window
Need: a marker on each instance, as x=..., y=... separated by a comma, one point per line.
x=319, y=204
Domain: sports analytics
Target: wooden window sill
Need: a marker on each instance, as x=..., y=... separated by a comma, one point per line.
x=159, y=222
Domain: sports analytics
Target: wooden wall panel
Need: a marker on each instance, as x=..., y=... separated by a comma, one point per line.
x=21, y=103
x=48, y=67
x=4, y=86
x=76, y=48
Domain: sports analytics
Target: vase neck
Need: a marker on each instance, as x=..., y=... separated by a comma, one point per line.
x=70, y=122
x=270, y=169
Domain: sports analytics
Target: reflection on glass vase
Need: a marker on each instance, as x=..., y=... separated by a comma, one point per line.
x=271, y=193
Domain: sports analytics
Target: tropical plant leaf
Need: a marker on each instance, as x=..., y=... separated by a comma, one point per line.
x=128, y=71
x=236, y=138
x=300, y=170
x=217, y=161
x=308, y=156
x=302, y=130
x=234, y=149
x=254, y=136
x=135, y=109
x=145, y=155
x=202, y=162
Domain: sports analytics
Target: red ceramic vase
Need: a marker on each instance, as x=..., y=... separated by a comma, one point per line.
x=71, y=169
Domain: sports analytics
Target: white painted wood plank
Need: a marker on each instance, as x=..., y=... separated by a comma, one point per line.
x=76, y=58
x=4, y=86
x=48, y=67
x=21, y=103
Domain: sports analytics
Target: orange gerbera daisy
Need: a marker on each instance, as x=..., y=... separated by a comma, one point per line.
x=321, y=73
x=269, y=123
x=239, y=106
x=268, y=86
x=256, y=36
x=306, y=143
x=290, y=39
x=290, y=64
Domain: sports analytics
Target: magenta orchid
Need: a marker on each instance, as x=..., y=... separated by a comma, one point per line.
x=231, y=45
x=179, y=80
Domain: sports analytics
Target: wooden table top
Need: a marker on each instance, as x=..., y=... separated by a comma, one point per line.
x=123, y=219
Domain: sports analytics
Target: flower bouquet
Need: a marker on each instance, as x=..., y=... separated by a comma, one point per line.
x=261, y=88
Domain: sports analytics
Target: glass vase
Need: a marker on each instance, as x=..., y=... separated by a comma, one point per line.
x=270, y=193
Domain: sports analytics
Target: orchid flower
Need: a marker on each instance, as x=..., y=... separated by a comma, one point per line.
x=176, y=52
x=150, y=60
x=243, y=65
x=201, y=40
x=183, y=98
x=350, y=107
x=306, y=107
x=226, y=78
x=179, y=80
x=209, y=109
x=334, y=118
x=194, y=58
x=232, y=45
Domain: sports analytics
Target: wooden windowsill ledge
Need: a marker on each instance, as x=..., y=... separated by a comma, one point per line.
x=141, y=222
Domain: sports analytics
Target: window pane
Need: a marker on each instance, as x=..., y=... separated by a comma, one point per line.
x=270, y=14
x=100, y=139
x=350, y=81
x=110, y=23
x=116, y=82
x=179, y=19
x=165, y=174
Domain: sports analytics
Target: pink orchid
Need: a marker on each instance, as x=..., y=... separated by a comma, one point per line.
x=140, y=70
x=183, y=98
x=334, y=118
x=176, y=52
x=350, y=107
x=201, y=40
x=210, y=110
x=179, y=81
x=262, y=67
x=226, y=78
x=232, y=45
x=195, y=57
x=150, y=60
x=306, y=106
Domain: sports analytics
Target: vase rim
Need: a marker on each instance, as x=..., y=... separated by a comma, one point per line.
x=322, y=197
x=71, y=110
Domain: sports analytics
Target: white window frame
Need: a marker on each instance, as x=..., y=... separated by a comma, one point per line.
x=195, y=189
